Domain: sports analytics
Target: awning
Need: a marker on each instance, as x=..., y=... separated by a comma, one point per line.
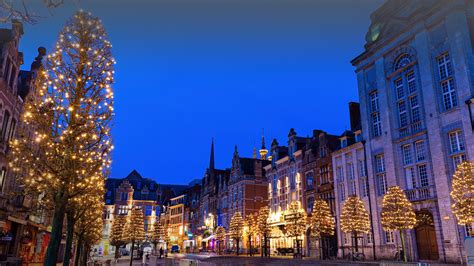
x=17, y=220
x=209, y=238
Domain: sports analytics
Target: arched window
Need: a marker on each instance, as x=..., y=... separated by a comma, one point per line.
x=402, y=61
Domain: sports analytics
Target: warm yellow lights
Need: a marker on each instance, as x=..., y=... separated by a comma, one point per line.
x=322, y=222
x=463, y=193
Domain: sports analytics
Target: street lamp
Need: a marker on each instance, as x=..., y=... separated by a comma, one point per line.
x=470, y=106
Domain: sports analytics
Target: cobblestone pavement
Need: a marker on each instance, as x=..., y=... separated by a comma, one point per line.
x=212, y=260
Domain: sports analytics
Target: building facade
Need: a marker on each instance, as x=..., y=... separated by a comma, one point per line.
x=414, y=79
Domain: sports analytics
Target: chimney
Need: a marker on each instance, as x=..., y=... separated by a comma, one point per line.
x=354, y=113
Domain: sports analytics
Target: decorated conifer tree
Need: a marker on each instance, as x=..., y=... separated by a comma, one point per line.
x=354, y=218
x=135, y=229
x=295, y=217
x=220, y=236
x=250, y=230
x=397, y=213
x=463, y=193
x=118, y=235
x=63, y=147
x=236, y=229
x=158, y=233
x=322, y=221
x=263, y=228
x=88, y=231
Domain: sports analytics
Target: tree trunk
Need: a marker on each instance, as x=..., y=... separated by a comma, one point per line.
x=237, y=240
x=402, y=238
x=69, y=239
x=117, y=249
x=84, y=255
x=320, y=240
x=131, y=252
x=250, y=245
x=356, y=242
x=56, y=235
x=78, y=252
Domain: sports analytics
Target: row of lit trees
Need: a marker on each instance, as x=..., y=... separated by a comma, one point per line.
x=131, y=229
x=62, y=150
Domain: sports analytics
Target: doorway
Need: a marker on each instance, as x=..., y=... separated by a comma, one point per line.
x=426, y=236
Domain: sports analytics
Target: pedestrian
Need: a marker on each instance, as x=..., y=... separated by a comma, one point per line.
x=161, y=252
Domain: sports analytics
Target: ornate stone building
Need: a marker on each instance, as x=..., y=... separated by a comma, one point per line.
x=414, y=79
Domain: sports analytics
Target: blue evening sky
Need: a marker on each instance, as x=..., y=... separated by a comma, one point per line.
x=191, y=70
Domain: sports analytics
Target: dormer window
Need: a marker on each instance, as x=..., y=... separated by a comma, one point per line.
x=343, y=142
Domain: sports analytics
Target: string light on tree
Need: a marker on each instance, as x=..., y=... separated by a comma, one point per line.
x=463, y=193
x=397, y=213
x=354, y=218
x=236, y=229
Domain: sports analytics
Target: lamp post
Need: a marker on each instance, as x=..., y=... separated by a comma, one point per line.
x=470, y=107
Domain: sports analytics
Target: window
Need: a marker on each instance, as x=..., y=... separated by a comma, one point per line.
x=11, y=83
x=7, y=69
x=274, y=186
x=458, y=159
x=3, y=174
x=310, y=203
x=148, y=210
x=420, y=150
x=406, y=151
x=123, y=210
x=455, y=141
x=352, y=188
x=322, y=152
x=342, y=192
x=376, y=125
x=107, y=201
x=358, y=137
x=324, y=173
x=380, y=174
x=309, y=180
x=109, y=193
x=410, y=177
x=389, y=237
x=369, y=238
x=411, y=82
x=423, y=175
x=340, y=174
x=444, y=65
x=399, y=88
x=402, y=113
x=343, y=143
x=364, y=189
x=124, y=196
x=350, y=171
x=362, y=171
x=402, y=61
x=415, y=109
x=6, y=118
x=447, y=81
x=375, y=114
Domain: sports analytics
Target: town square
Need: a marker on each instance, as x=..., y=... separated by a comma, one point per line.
x=236, y=132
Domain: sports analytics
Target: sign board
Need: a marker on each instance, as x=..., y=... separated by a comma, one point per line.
x=469, y=245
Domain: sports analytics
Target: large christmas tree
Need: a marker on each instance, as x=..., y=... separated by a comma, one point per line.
x=63, y=146
x=236, y=229
x=354, y=218
x=463, y=193
x=295, y=218
x=250, y=230
x=220, y=236
x=397, y=213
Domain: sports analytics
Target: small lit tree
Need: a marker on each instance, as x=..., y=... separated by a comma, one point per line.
x=135, y=229
x=322, y=221
x=158, y=233
x=354, y=218
x=236, y=229
x=250, y=230
x=220, y=235
x=295, y=218
x=118, y=236
x=263, y=227
x=397, y=213
x=463, y=193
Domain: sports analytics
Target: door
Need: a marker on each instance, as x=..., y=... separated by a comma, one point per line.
x=426, y=242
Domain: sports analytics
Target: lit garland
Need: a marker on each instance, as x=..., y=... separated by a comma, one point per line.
x=322, y=222
x=354, y=216
x=295, y=218
x=118, y=236
x=220, y=236
x=263, y=228
x=397, y=211
x=463, y=193
x=158, y=232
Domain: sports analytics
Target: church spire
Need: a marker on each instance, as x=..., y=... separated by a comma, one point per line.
x=263, y=151
x=211, y=161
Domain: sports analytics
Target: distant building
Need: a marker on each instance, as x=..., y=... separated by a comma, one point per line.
x=416, y=98
x=135, y=191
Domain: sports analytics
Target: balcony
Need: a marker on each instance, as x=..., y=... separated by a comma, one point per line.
x=422, y=193
x=410, y=129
